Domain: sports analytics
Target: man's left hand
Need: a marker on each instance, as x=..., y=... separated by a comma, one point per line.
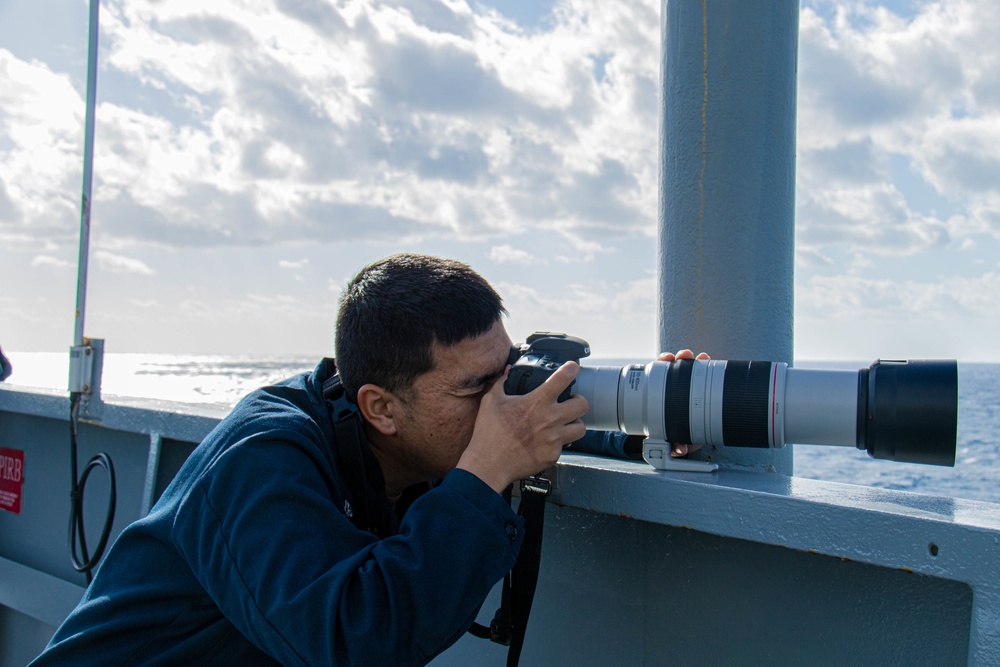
x=677, y=450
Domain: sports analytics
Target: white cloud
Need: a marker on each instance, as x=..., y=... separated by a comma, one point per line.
x=504, y=254
x=197, y=309
x=851, y=296
x=445, y=125
x=28, y=315
x=292, y=121
x=879, y=93
x=145, y=303
x=299, y=120
x=48, y=260
x=811, y=257
x=273, y=303
x=113, y=263
x=293, y=264
x=620, y=301
x=615, y=317
x=41, y=128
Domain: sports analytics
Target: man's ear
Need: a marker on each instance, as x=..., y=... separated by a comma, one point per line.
x=378, y=406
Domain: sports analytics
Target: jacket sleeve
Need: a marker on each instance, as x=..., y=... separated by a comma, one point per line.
x=263, y=537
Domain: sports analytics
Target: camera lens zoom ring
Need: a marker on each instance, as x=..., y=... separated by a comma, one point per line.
x=676, y=403
x=745, y=404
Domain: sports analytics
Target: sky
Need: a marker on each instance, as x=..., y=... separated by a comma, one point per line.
x=252, y=155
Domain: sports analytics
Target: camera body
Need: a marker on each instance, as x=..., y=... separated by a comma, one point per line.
x=541, y=356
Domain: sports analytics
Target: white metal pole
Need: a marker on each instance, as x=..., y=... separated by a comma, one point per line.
x=88, y=163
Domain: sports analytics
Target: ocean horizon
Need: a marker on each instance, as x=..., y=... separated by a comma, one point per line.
x=221, y=380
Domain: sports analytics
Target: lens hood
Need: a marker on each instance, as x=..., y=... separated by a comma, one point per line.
x=910, y=410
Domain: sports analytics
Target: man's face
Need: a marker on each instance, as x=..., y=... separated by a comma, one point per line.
x=443, y=402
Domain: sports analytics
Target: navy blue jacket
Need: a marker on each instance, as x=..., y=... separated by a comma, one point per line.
x=250, y=558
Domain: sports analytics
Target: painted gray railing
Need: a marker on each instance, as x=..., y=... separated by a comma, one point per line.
x=639, y=566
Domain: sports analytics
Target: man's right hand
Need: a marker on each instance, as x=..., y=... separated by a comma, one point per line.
x=518, y=436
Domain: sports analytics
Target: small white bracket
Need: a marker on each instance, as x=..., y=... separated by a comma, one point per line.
x=86, y=368
x=657, y=454
x=81, y=369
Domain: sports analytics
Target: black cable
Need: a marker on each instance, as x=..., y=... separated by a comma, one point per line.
x=83, y=562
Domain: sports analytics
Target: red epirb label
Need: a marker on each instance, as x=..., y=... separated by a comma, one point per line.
x=11, y=479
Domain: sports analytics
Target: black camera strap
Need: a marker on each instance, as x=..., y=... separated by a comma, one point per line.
x=363, y=475
x=511, y=620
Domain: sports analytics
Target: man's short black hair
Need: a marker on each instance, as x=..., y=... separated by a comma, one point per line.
x=395, y=309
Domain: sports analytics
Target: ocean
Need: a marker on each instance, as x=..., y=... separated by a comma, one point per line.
x=221, y=380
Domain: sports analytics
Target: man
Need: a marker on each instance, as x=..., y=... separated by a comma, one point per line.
x=5, y=366
x=280, y=539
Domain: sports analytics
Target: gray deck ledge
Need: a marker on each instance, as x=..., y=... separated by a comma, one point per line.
x=170, y=419
x=935, y=536
x=878, y=526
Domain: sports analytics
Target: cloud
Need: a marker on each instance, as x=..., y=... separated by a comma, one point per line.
x=873, y=217
x=290, y=120
x=113, y=263
x=197, y=308
x=811, y=257
x=891, y=107
x=621, y=301
x=41, y=131
x=293, y=264
x=865, y=68
x=850, y=296
x=47, y=260
x=252, y=305
x=9, y=211
x=294, y=120
x=146, y=303
x=504, y=254
x=29, y=315
x=273, y=303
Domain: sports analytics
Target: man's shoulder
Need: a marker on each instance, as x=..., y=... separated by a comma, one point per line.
x=285, y=414
x=283, y=404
